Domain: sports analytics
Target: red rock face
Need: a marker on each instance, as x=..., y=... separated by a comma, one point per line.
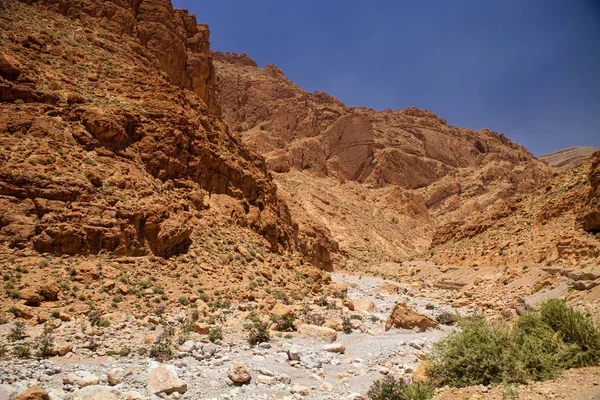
x=592, y=216
x=380, y=183
x=179, y=44
x=111, y=136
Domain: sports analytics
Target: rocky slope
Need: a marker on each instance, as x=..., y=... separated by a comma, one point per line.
x=557, y=224
x=117, y=172
x=391, y=177
x=568, y=158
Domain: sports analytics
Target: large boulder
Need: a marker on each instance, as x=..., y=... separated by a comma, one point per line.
x=33, y=393
x=404, y=316
x=281, y=311
x=30, y=296
x=163, y=379
x=363, y=305
x=318, y=332
x=239, y=374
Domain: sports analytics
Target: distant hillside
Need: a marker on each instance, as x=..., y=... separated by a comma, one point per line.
x=568, y=158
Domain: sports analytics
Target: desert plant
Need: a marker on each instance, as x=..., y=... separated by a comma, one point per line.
x=477, y=354
x=346, y=325
x=446, y=318
x=581, y=337
x=22, y=350
x=391, y=388
x=162, y=349
x=537, y=346
x=215, y=333
x=17, y=332
x=283, y=323
x=44, y=344
x=258, y=333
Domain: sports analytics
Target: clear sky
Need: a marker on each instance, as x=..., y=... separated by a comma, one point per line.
x=526, y=68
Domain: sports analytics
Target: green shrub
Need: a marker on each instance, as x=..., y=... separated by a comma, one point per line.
x=283, y=323
x=215, y=333
x=535, y=347
x=22, y=350
x=581, y=337
x=346, y=325
x=44, y=345
x=17, y=332
x=258, y=333
x=391, y=388
x=162, y=349
x=476, y=355
x=446, y=318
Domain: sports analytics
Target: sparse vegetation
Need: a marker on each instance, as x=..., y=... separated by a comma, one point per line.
x=258, y=333
x=535, y=347
x=215, y=333
x=162, y=348
x=391, y=388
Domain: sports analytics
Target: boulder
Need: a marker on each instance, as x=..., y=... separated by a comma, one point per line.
x=97, y=392
x=30, y=296
x=115, y=376
x=239, y=374
x=389, y=288
x=7, y=392
x=201, y=328
x=363, y=305
x=318, y=332
x=281, y=311
x=403, y=316
x=50, y=291
x=163, y=380
x=89, y=380
x=33, y=393
x=335, y=348
x=339, y=289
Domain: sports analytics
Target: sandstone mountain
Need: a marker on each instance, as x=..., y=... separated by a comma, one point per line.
x=112, y=145
x=568, y=158
x=381, y=183
x=557, y=224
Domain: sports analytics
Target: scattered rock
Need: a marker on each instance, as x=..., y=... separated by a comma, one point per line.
x=33, y=393
x=335, y=348
x=7, y=392
x=163, y=380
x=363, y=305
x=239, y=374
x=318, y=332
x=30, y=296
x=115, y=376
x=403, y=316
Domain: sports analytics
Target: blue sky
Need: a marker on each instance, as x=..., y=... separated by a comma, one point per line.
x=527, y=68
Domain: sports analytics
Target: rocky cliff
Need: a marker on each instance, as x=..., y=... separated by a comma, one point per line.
x=380, y=182
x=112, y=145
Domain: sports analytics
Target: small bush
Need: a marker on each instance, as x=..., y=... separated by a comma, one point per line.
x=258, y=333
x=538, y=346
x=346, y=325
x=391, y=388
x=44, y=345
x=22, y=351
x=17, y=332
x=581, y=337
x=124, y=351
x=215, y=333
x=446, y=318
x=162, y=349
x=283, y=323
